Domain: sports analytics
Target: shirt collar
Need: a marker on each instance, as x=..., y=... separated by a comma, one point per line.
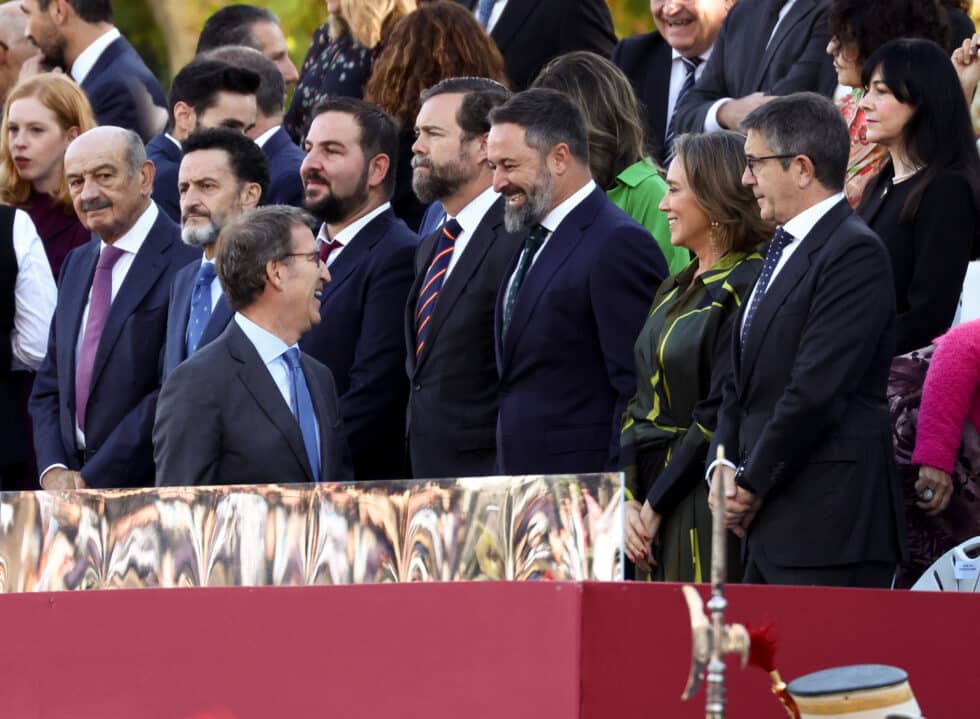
x=134, y=238
x=266, y=136
x=173, y=140
x=89, y=56
x=555, y=217
x=269, y=347
x=800, y=226
x=675, y=55
x=470, y=217
x=350, y=232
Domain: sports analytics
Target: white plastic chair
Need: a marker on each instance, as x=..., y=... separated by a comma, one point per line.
x=955, y=571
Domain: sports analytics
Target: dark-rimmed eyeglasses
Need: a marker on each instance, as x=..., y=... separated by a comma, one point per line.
x=751, y=160
x=313, y=257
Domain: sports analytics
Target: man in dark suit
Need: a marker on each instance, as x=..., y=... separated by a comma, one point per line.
x=349, y=180
x=804, y=414
x=78, y=36
x=765, y=48
x=205, y=93
x=529, y=33
x=285, y=158
x=572, y=301
x=451, y=363
x=250, y=408
x=664, y=65
x=222, y=175
x=253, y=27
x=95, y=392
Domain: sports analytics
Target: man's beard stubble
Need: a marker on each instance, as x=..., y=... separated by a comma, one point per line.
x=442, y=181
x=331, y=208
x=535, y=207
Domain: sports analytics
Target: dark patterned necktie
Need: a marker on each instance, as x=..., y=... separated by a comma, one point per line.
x=532, y=244
x=780, y=239
x=432, y=283
x=200, y=306
x=691, y=65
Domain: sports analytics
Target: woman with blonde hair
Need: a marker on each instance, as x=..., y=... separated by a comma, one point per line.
x=42, y=115
x=342, y=55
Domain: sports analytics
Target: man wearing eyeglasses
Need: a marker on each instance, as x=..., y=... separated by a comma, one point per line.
x=349, y=178
x=250, y=407
x=804, y=415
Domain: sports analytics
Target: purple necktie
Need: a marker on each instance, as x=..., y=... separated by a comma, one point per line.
x=98, y=312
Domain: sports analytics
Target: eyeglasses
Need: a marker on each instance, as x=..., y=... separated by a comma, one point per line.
x=313, y=257
x=751, y=160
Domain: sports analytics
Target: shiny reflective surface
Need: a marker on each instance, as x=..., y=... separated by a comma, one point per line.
x=565, y=527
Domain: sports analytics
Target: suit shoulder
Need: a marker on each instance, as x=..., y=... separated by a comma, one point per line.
x=635, y=50
x=397, y=235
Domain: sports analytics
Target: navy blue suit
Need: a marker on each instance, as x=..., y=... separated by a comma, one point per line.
x=566, y=366
x=166, y=157
x=126, y=375
x=432, y=219
x=178, y=314
x=285, y=184
x=360, y=338
x=123, y=91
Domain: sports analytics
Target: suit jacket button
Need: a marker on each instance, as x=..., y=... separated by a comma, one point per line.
x=418, y=388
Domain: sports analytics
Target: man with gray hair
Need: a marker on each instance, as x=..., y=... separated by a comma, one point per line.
x=804, y=415
x=251, y=408
x=15, y=48
x=573, y=299
x=95, y=393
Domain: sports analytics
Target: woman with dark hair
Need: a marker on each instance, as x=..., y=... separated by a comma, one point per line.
x=857, y=29
x=617, y=142
x=924, y=202
x=683, y=355
x=438, y=41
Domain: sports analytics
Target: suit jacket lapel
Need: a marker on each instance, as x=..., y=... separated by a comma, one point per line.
x=352, y=255
x=510, y=22
x=259, y=383
x=323, y=418
x=800, y=10
x=73, y=296
x=183, y=288
x=105, y=60
x=423, y=258
x=220, y=316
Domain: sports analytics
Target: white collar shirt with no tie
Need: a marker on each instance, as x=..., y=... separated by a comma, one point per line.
x=89, y=56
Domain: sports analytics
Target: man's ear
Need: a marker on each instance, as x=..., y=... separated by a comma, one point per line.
x=559, y=159
x=378, y=169
x=250, y=195
x=274, y=274
x=184, y=119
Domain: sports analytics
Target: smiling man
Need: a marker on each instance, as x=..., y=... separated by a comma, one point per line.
x=95, y=393
x=250, y=408
x=222, y=175
x=349, y=179
x=665, y=64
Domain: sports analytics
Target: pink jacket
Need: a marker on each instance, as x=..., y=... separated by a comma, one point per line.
x=951, y=394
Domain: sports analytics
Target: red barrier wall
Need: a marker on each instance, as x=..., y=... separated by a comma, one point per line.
x=535, y=650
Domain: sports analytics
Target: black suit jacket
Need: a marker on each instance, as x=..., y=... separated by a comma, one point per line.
x=360, y=339
x=453, y=398
x=166, y=158
x=805, y=409
x=126, y=375
x=647, y=60
x=222, y=420
x=178, y=315
x=285, y=158
x=124, y=92
x=529, y=33
x=743, y=60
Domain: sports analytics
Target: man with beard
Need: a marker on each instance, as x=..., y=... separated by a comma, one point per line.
x=78, y=36
x=205, y=93
x=349, y=179
x=458, y=270
x=222, y=174
x=95, y=393
x=574, y=298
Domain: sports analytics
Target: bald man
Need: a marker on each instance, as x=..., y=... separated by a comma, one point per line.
x=15, y=48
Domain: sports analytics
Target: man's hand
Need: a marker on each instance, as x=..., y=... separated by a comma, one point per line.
x=731, y=114
x=967, y=66
x=741, y=505
x=59, y=478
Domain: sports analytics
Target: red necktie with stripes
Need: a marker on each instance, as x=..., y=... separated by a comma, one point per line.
x=433, y=281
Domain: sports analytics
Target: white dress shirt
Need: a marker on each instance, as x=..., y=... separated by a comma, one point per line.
x=469, y=219
x=89, y=56
x=348, y=233
x=498, y=10
x=678, y=74
x=266, y=136
x=35, y=295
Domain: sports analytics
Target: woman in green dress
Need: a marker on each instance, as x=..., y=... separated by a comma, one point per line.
x=683, y=355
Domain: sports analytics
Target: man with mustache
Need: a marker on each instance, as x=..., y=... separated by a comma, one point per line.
x=451, y=363
x=222, y=174
x=95, y=393
x=572, y=301
x=78, y=36
x=251, y=408
x=348, y=175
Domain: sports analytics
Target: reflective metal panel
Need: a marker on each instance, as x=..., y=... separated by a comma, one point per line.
x=487, y=528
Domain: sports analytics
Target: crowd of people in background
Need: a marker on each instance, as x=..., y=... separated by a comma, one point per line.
x=484, y=237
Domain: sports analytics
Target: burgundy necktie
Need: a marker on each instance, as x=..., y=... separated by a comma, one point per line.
x=327, y=247
x=98, y=312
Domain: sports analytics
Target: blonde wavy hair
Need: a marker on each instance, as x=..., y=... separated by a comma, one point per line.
x=368, y=21
x=71, y=107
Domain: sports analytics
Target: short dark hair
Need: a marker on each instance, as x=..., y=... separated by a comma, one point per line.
x=271, y=95
x=247, y=161
x=805, y=123
x=480, y=96
x=548, y=118
x=87, y=10
x=869, y=25
x=379, y=132
x=232, y=25
x=199, y=82
x=248, y=243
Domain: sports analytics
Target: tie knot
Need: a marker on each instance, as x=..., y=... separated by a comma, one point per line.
x=327, y=247
x=537, y=237
x=109, y=256
x=451, y=229
x=292, y=358
x=780, y=239
x=691, y=63
x=206, y=275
